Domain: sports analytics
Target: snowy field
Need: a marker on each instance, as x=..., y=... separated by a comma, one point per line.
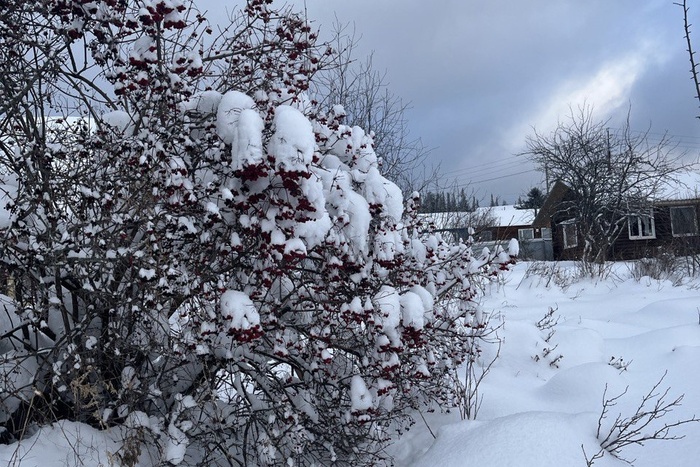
x=541, y=411
x=539, y=408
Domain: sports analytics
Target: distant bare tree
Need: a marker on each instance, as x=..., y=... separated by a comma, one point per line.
x=613, y=174
x=369, y=103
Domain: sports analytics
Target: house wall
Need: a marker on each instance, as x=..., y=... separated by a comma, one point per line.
x=561, y=253
x=625, y=248
x=512, y=231
x=507, y=232
x=548, y=211
x=497, y=233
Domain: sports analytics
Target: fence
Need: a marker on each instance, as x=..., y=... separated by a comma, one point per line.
x=539, y=249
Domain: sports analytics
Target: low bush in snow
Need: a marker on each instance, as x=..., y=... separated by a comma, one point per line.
x=650, y=422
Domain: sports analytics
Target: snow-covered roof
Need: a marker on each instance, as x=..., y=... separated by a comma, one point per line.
x=505, y=216
x=497, y=216
x=447, y=220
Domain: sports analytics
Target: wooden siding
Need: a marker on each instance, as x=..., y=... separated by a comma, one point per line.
x=625, y=248
x=561, y=253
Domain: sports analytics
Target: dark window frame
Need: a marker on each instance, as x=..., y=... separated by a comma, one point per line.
x=687, y=230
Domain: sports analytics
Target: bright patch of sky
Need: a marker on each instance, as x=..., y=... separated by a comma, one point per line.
x=607, y=89
x=481, y=75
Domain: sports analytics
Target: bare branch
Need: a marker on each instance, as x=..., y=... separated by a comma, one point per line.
x=691, y=52
x=641, y=426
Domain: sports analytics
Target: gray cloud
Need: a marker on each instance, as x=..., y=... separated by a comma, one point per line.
x=480, y=74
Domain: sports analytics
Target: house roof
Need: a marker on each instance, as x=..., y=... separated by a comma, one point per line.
x=684, y=185
x=447, y=220
x=506, y=216
x=496, y=216
x=556, y=194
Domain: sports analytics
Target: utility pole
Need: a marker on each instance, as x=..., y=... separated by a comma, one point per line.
x=607, y=131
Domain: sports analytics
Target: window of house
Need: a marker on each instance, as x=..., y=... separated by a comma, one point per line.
x=684, y=221
x=485, y=236
x=570, y=232
x=526, y=234
x=546, y=233
x=641, y=226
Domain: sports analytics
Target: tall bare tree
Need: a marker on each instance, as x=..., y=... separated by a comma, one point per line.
x=612, y=174
x=689, y=44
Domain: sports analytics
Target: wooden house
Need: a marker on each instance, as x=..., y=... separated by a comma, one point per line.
x=671, y=224
x=506, y=222
x=488, y=224
x=497, y=225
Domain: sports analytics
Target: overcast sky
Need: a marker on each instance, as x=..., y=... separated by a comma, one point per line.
x=480, y=74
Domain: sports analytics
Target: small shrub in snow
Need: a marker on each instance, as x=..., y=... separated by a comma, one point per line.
x=664, y=266
x=547, y=325
x=675, y=263
x=476, y=369
x=619, y=363
x=550, y=273
x=548, y=322
x=648, y=423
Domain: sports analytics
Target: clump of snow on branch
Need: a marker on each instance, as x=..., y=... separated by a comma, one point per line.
x=240, y=312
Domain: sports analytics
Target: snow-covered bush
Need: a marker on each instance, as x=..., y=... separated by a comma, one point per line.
x=207, y=258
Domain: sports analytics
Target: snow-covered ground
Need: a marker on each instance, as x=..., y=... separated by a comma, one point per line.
x=618, y=332
x=537, y=410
